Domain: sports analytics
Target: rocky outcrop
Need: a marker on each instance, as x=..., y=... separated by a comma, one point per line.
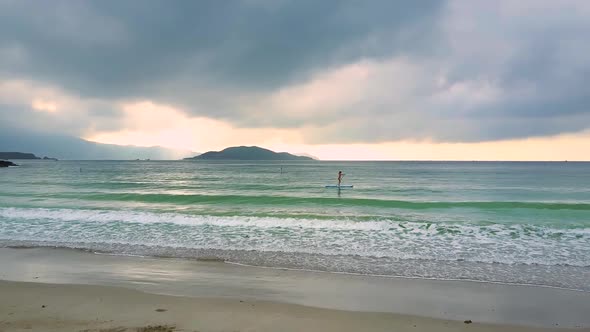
x=7, y=163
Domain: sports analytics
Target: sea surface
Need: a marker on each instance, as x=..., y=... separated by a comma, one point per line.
x=507, y=222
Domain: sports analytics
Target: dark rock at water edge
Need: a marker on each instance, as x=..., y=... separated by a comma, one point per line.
x=6, y=163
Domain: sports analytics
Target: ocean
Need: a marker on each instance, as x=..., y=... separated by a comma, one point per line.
x=505, y=222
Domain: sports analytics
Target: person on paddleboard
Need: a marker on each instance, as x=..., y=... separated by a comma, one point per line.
x=340, y=176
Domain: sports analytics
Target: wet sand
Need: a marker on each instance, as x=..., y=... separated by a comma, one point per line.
x=120, y=295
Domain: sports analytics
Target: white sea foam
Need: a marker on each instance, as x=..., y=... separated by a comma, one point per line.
x=102, y=216
x=127, y=216
x=379, y=238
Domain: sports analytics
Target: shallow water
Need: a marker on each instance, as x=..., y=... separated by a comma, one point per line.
x=490, y=221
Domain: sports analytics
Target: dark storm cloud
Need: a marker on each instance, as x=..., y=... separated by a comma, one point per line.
x=122, y=48
x=443, y=70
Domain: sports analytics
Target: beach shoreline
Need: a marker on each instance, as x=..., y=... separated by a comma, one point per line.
x=85, y=291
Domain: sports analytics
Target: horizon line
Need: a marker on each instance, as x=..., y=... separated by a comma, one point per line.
x=329, y=160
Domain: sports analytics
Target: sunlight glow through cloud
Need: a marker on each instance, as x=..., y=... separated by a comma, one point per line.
x=44, y=105
x=170, y=127
x=150, y=124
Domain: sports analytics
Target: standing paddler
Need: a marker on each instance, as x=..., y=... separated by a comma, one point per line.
x=340, y=176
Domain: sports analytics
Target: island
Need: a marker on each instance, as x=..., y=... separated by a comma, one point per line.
x=248, y=153
x=21, y=156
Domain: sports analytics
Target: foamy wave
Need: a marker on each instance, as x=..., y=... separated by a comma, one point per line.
x=102, y=216
x=510, y=244
x=108, y=216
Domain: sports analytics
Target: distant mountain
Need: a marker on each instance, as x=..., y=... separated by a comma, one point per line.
x=21, y=155
x=74, y=148
x=247, y=153
x=303, y=154
x=17, y=155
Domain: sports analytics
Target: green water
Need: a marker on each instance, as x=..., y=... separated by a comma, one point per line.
x=505, y=222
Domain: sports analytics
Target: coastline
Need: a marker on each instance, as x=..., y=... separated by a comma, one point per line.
x=85, y=291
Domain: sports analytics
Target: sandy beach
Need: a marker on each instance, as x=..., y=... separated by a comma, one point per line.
x=51, y=307
x=68, y=290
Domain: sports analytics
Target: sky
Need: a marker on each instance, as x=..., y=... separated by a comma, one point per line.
x=344, y=80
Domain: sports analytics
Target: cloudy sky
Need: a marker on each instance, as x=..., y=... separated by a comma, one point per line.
x=383, y=79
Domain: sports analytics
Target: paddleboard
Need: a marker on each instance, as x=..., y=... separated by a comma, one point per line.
x=343, y=186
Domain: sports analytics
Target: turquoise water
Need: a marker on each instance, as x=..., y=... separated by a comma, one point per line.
x=489, y=221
